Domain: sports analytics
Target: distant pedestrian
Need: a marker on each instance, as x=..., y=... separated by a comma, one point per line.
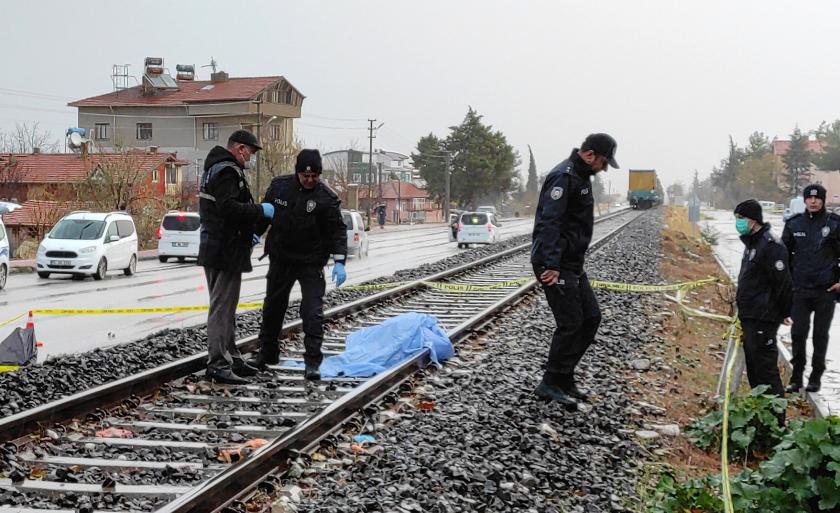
x=307, y=230
x=764, y=295
x=812, y=239
x=228, y=221
x=562, y=233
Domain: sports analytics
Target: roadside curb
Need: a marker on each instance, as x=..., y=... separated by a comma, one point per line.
x=28, y=266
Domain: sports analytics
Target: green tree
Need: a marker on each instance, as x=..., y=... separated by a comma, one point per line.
x=757, y=179
x=676, y=189
x=483, y=165
x=724, y=176
x=758, y=146
x=829, y=136
x=797, y=161
x=533, y=187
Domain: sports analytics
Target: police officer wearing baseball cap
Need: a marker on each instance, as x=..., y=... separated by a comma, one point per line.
x=763, y=297
x=229, y=218
x=306, y=232
x=813, y=241
x=562, y=233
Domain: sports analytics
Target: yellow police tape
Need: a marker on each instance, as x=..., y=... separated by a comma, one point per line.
x=634, y=287
x=13, y=319
x=121, y=311
x=7, y=368
x=735, y=332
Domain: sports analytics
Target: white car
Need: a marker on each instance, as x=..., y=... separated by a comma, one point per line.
x=4, y=255
x=89, y=244
x=486, y=208
x=179, y=236
x=357, y=239
x=477, y=228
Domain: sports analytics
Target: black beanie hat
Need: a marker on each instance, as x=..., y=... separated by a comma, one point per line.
x=308, y=160
x=751, y=210
x=814, y=189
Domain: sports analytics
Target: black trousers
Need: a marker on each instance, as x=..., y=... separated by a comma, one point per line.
x=578, y=316
x=822, y=306
x=762, y=354
x=280, y=280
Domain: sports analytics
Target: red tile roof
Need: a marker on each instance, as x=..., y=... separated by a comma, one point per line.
x=243, y=88
x=389, y=190
x=67, y=167
x=781, y=147
x=40, y=213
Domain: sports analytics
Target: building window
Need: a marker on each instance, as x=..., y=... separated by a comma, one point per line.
x=171, y=175
x=211, y=131
x=144, y=131
x=275, y=96
x=100, y=132
x=289, y=97
x=418, y=203
x=357, y=177
x=276, y=132
x=155, y=176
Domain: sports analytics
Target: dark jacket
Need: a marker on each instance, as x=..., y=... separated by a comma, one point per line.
x=564, y=217
x=813, y=242
x=765, y=289
x=307, y=227
x=228, y=214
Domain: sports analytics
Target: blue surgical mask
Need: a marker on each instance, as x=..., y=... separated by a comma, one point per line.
x=742, y=225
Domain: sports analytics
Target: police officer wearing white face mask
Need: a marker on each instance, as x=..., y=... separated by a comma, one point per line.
x=229, y=218
x=813, y=241
x=764, y=295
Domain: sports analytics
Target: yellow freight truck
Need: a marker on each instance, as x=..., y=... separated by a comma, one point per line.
x=644, y=191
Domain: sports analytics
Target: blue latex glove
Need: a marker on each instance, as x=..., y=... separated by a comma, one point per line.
x=268, y=210
x=255, y=239
x=339, y=274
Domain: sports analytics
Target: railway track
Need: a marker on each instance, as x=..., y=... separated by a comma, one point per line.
x=76, y=454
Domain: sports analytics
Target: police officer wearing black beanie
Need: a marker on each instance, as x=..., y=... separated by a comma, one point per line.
x=813, y=241
x=764, y=296
x=306, y=231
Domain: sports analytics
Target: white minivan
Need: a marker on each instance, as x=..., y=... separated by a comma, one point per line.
x=357, y=239
x=4, y=255
x=87, y=243
x=179, y=236
x=477, y=228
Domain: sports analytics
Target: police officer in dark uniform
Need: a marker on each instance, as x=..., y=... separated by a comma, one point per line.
x=562, y=232
x=306, y=230
x=764, y=296
x=228, y=220
x=813, y=241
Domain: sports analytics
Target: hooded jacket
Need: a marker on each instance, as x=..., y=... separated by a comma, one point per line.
x=813, y=244
x=765, y=289
x=307, y=227
x=228, y=214
x=564, y=217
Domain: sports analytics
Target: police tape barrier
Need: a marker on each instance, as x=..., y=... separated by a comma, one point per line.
x=13, y=319
x=464, y=287
x=734, y=333
x=634, y=287
x=123, y=311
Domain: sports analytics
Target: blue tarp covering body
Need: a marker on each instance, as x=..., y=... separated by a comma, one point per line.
x=374, y=349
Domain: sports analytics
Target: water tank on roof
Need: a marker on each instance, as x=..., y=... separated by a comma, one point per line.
x=76, y=130
x=153, y=61
x=185, y=68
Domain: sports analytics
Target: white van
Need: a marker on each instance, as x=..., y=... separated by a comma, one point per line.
x=89, y=244
x=4, y=255
x=179, y=236
x=357, y=239
x=797, y=206
x=477, y=228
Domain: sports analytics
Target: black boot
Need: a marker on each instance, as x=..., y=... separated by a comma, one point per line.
x=312, y=373
x=556, y=394
x=568, y=385
x=795, y=384
x=262, y=360
x=814, y=381
x=242, y=368
x=226, y=376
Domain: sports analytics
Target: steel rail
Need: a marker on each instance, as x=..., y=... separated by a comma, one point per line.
x=220, y=490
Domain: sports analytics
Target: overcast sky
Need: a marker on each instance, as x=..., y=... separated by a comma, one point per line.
x=670, y=80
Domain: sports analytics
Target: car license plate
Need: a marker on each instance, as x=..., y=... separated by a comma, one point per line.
x=180, y=244
x=59, y=262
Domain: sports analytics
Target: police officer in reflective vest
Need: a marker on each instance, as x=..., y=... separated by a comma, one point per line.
x=562, y=232
x=306, y=231
x=228, y=221
x=764, y=296
x=813, y=240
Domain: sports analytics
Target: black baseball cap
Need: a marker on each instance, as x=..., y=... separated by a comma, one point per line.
x=245, y=137
x=603, y=145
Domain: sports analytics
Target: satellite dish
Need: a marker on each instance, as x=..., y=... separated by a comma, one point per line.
x=75, y=140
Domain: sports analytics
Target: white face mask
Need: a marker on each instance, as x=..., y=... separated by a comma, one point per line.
x=252, y=163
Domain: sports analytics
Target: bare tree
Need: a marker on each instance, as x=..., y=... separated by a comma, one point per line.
x=336, y=168
x=118, y=180
x=278, y=156
x=11, y=180
x=25, y=138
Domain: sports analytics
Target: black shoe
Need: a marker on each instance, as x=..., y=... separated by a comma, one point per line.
x=243, y=369
x=226, y=376
x=794, y=387
x=813, y=386
x=556, y=394
x=262, y=361
x=567, y=384
x=312, y=373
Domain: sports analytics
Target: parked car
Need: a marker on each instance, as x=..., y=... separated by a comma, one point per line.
x=357, y=239
x=87, y=243
x=477, y=228
x=179, y=235
x=797, y=206
x=487, y=208
x=4, y=255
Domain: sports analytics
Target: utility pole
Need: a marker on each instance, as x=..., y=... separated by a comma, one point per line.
x=259, y=140
x=379, y=182
x=446, y=194
x=370, y=166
